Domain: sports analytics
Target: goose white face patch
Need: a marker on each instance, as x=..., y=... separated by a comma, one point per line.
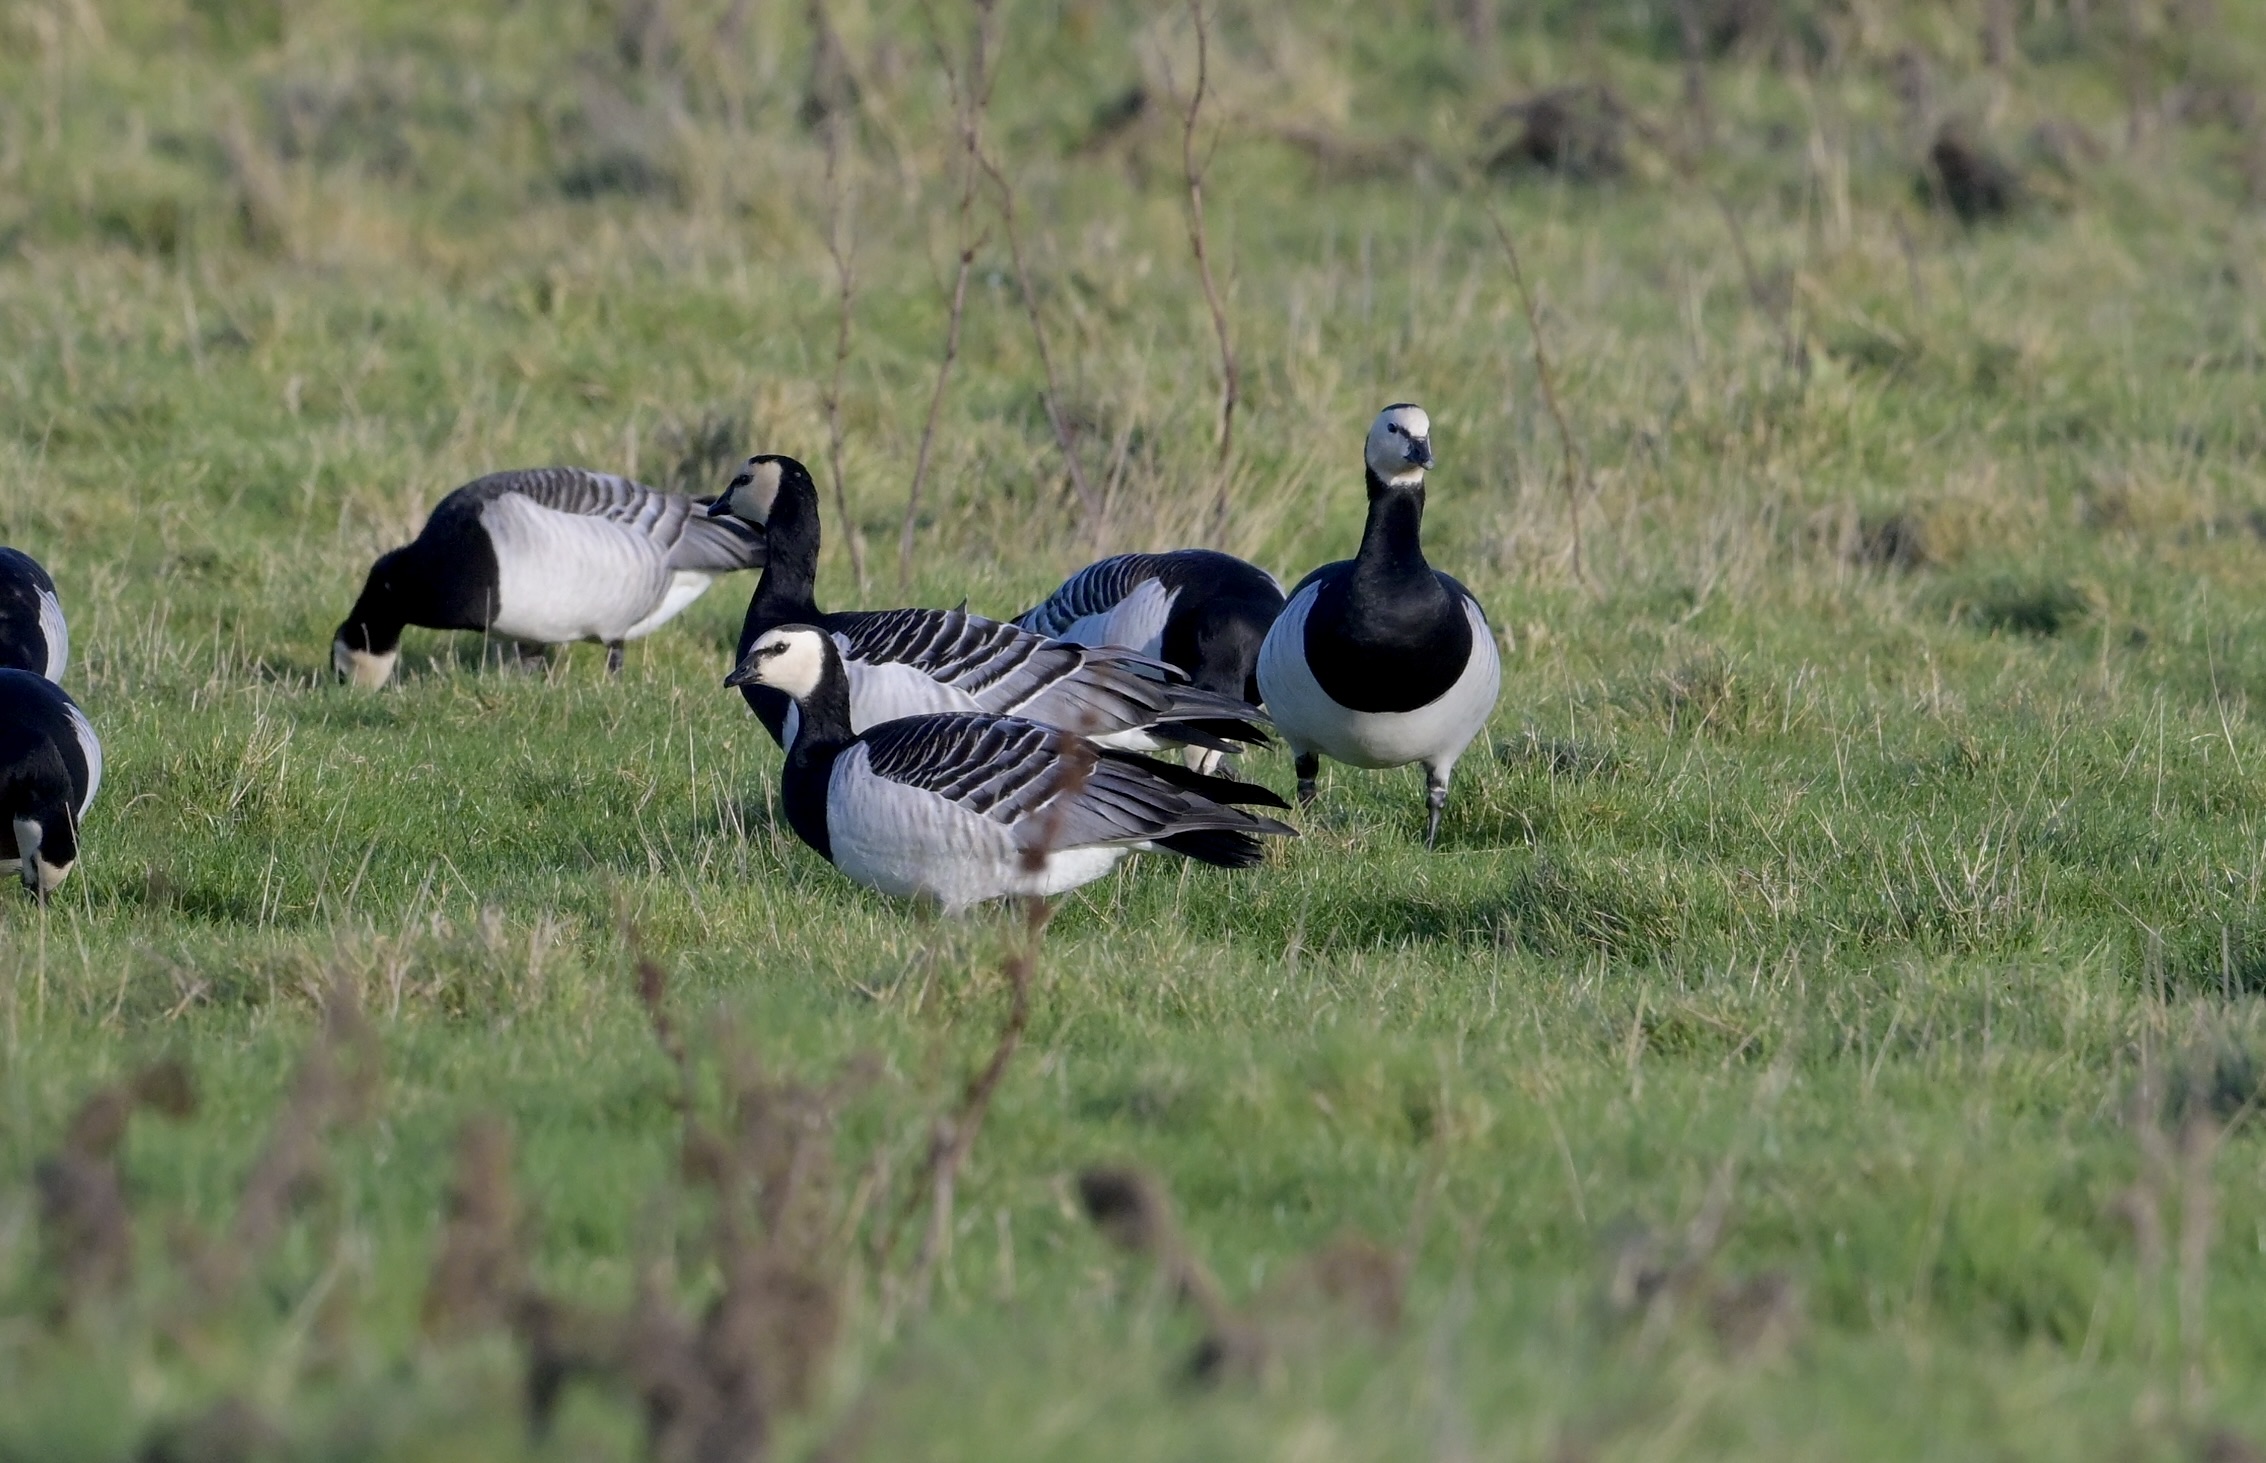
x=789, y=660
x=753, y=492
x=360, y=667
x=1392, y=437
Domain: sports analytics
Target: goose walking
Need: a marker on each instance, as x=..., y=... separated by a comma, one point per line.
x=50, y=769
x=1381, y=660
x=33, y=636
x=963, y=807
x=1203, y=611
x=545, y=556
x=909, y=661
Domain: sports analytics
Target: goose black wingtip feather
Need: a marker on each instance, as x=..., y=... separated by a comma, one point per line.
x=1222, y=848
x=1227, y=790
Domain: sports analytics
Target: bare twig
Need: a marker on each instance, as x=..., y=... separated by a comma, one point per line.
x=970, y=98
x=1230, y=378
x=841, y=247
x=1064, y=437
x=1576, y=470
x=954, y=1136
x=1779, y=313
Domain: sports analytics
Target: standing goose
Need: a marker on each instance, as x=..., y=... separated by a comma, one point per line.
x=1203, y=611
x=543, y=555
x=1381, y=660
x=50, y=769
x=906, y=662
x=33, y=636
x=961, y=807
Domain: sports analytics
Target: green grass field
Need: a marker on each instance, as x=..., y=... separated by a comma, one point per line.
x=1832, y=1025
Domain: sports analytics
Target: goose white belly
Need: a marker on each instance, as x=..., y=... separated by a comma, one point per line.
x=908, y=842
x=685, y=586
x=1435, y=733
x=563, y=576
x=1137, y=621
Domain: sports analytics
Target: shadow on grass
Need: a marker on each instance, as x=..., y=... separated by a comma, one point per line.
x=1548, y=908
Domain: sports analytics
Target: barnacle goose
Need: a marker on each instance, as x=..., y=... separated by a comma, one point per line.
x=909, y=661
x=543, y=555
x=1381, y=660
x=50, y=768
x=961, y=807
x=33, y=636
x=1201, y=610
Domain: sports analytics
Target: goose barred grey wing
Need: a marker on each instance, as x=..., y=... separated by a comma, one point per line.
x=674, y=524
x=1093, y=590
x=1008, y=670
x=1056, y=790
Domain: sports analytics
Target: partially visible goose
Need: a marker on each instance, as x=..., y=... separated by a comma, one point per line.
x=33, y=636
x=1381, y=660
x=910, y=661
x=1198, y=609
x=962, y=807
x=50, y=769
x=543, y=555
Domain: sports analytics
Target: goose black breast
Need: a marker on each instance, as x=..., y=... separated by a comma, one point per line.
x=1379, y=652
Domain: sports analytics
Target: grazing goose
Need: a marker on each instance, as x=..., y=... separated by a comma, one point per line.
x=1381, y=660
x=543, y=555
x=1198, y=609
x=50, y=768
x=906, y=662
x=33, y=636
x=961, y=807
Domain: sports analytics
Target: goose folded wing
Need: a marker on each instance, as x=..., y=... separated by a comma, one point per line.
x=675, y=525
x=1000, y=767
x=1010, y=670
x=1093, y=590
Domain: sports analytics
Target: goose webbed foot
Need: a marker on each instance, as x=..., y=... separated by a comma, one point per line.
x=613, y=658
x=1309, y=767
x=1435, y=800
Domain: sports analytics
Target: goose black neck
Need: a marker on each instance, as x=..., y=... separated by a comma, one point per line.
x=821, y=736
x=375, y=623
x=1392, y=542
x=789, y=586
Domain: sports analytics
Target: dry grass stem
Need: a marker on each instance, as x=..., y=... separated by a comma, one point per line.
x=841, y=248
x=1575, y=471
x=971, y=95
x=1193, y=171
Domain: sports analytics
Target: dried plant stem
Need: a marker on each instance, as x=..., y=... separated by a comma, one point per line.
x=1064, y=438
x=841, y=247
x=1575, y=470
x=971, y=97
x=955, y=1136
x=1230, y=377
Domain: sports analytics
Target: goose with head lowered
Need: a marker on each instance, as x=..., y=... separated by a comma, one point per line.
x=544, y=556
x=908, y=661
x=964, y=807
x=1198, y=609
x=33, y=636
x=1381, y=660
x=50, y=770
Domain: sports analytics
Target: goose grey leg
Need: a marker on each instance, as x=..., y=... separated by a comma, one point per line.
x=613, y=657
x=1309, y=768
x=1435, y=799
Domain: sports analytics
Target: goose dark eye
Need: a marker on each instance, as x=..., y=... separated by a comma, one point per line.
x=742, y=480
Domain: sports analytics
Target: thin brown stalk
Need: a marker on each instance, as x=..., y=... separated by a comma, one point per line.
x=1230, y=377
x=1575, y=469
x=969, y=102
x=954, y=1136
x=1064, y=437
x=841, y=247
